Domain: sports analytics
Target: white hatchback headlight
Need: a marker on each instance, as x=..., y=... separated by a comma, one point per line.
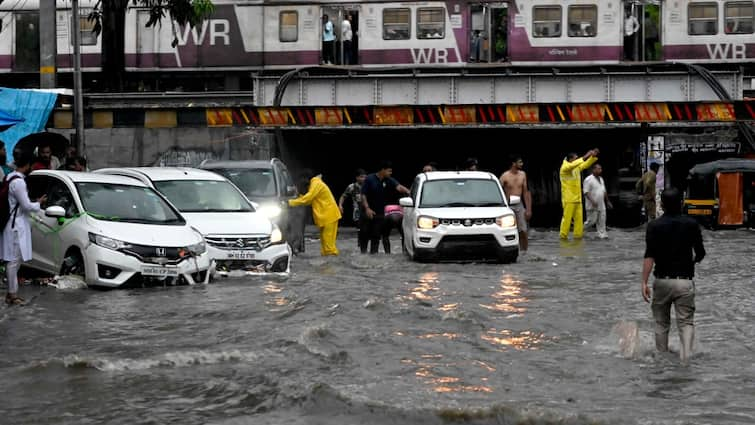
x=198, y=248
x=270, y=210
x=506, y=221
x=107, y=242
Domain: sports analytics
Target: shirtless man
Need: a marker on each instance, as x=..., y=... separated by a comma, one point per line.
x=514, y=182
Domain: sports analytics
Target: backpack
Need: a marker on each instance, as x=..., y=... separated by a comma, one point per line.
x=5, y=212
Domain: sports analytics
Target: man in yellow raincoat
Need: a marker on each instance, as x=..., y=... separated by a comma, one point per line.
x=324, y=211
x=571, y=191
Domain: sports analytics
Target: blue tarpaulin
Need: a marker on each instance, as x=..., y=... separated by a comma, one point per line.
x=31, y=105
x=7, y=120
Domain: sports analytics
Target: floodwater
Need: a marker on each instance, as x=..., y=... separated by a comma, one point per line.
x=561, y=337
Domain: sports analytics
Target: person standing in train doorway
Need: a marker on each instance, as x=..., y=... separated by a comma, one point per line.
x=631, y=25
x=328, y=40
x=346, y=36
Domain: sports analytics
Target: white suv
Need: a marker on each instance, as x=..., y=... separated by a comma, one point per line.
x=114, y=231
x=239, y=238
x=459, y=214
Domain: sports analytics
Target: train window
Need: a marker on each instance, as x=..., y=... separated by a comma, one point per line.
x=87, y=36
x=703, y=18
x=431, y=22
x=397, y=24
x=583, y=21
x=288, y=30
x=738, y=17
x=546, y=21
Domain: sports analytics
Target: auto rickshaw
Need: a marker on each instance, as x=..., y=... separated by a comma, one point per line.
x=722, y=193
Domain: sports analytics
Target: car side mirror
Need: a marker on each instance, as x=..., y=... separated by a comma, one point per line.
x=515, y=200
x=290, y=190
x=406, y=202
x=55, y=211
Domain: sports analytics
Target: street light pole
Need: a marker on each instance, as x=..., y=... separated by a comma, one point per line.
x=78, y=99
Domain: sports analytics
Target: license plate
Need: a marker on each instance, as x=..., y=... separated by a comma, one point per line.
x=699, y=212
x=159, y=271
x=240, y=255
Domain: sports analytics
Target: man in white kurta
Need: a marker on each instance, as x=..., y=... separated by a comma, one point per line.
x=596, y=199
x=16, y=243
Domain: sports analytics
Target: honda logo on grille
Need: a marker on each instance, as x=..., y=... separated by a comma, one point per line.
x=161, y=252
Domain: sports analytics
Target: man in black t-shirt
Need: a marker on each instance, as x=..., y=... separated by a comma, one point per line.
x=670, y=242
x=375, y=191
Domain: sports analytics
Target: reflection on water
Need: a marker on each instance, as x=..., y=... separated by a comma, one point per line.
x=447, y=335
x=426, y=284
x=508, y=298
x=522, y=340
x=429, y=372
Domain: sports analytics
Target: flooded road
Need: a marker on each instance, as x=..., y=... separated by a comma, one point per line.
x=380, y=340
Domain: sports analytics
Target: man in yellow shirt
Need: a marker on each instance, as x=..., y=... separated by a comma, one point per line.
x=571, y=191
x=324, y=210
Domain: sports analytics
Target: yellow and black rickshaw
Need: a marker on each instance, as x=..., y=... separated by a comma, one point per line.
x=722, y=193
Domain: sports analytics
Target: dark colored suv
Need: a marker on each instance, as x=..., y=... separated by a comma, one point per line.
x=267, y=183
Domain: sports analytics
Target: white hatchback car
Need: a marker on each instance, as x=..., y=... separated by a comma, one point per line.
x=114, y=231
x=238, y=237
x=461, y=215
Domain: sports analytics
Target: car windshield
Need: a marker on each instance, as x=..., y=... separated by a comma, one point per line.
x=254, y=182
x=121, y=202
x=461, y=193
x=204, y=196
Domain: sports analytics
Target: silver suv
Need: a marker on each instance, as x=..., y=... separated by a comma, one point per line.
x=267, y=183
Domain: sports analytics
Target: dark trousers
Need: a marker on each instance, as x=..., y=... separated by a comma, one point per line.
x=347, y=52
x=389, y=223
x=327, y=51
x=372, y=230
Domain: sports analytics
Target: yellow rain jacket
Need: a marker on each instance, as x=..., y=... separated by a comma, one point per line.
x=571, y=178
x=324, y=207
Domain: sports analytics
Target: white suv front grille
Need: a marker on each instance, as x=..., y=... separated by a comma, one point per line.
x=467, y=222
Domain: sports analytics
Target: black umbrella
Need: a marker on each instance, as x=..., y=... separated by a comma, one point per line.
x=56, y=141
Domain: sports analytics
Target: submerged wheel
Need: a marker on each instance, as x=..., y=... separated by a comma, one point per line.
x=74, y=264
x=508, y=256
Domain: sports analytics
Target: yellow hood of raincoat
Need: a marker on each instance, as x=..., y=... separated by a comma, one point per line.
x=571, y=178
x=324, y=207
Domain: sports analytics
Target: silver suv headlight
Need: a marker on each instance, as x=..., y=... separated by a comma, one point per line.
x=276, y=236
x=107, y=242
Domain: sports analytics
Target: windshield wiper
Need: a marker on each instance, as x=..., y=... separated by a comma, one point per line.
x=490, y=204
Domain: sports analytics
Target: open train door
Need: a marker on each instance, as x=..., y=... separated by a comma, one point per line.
x=489, y=37
x=342, y=52
x=730, y=199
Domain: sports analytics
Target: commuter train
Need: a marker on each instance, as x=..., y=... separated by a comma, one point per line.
x=252, y=35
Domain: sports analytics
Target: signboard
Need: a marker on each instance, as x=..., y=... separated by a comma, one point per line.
x=704, y=147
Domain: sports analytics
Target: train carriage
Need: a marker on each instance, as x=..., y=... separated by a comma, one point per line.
x=253, y=35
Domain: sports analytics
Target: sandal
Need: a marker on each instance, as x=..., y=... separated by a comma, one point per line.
x=14, y=300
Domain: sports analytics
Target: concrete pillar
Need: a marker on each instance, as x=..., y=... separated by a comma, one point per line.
x=47, y=45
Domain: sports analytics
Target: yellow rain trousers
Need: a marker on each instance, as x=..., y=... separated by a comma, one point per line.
x=571, y=195
x=324, y=211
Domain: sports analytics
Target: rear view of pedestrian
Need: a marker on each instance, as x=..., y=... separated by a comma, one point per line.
x=669, y=244
x=325, y=211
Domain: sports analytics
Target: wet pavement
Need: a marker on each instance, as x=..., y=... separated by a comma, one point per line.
x=560, y=337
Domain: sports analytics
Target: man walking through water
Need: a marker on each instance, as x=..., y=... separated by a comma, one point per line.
x=596, y=201
x=669, y=243
x=514, y=182
x=571, y=191
x=645, y=186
